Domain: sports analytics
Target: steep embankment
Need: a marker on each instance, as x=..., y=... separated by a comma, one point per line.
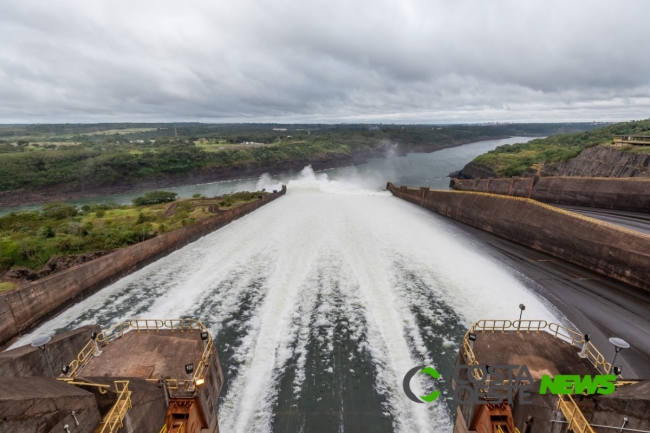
x=25, y=306
x=605, y=248
x=528, y=159
x=602, y=161
x=582, y=169
x=600, y=177
x=628, y=194
x=598, y=161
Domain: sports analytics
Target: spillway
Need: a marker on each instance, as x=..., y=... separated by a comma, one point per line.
x=320, y=302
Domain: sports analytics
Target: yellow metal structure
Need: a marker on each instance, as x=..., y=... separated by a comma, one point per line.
x=178, y=428
x=100, y=387
x=500, y=430
x=82, y=360
x=569, y=336
x=147, y=325
x=115, y=417
x=577, y=421
x=566, y=404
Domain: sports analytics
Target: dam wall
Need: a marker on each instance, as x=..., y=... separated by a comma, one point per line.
x=24, y=307
x=629, y=194
x=601, y=247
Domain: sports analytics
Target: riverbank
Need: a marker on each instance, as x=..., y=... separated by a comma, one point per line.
x=592, y=153
x=39, y=243
x=199, y=176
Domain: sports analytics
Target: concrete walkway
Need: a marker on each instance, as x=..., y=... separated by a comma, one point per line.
x=631, y=220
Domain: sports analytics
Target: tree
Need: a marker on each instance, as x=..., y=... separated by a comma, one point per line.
x=155, y=197
x=59, y=211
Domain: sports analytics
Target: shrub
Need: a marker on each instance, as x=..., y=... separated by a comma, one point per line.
x=185, y=206
x=6, y=262
x=59, y=211
x=46, y=232
x=155, y=197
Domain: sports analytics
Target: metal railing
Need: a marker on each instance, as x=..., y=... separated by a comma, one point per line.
x=568, y=407
x=101, y=388
x=180, y=429
x=84, y=357
x=577, y=421
x=115, y=417
x=147, y=325
x=558, y=331
x=500, y=429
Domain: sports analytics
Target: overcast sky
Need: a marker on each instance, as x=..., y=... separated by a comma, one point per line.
x=324, y=60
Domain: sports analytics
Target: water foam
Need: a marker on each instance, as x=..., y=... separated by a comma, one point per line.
x=270, y=278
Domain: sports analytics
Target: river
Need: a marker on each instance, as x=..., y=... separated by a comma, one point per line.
x=321, y=301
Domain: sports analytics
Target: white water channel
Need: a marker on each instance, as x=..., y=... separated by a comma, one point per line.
x=328, y=261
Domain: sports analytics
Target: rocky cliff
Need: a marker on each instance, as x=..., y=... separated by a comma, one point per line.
x=474, y=170
x=599, y=161
x=602, y=161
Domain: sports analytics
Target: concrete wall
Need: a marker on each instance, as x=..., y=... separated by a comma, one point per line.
x=148, y=406
x=43, y=405
x=631, y=194
x=32, y=361
x=22, y=308
x=209, y=392
x=605, y=248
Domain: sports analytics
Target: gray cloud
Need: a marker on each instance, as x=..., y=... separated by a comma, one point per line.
x=324, y=60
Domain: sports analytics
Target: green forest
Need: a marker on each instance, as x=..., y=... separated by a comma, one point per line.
x=33, y=157
x=514, y=159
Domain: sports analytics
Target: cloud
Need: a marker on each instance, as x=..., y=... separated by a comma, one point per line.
x=323, y=60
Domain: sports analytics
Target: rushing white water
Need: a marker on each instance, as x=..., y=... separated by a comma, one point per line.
x=328, y=262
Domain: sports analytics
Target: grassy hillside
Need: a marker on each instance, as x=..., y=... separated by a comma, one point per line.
x=514, y=159
x=30, y=239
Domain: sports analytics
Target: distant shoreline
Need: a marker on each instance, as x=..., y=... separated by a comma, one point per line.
x=61, y=193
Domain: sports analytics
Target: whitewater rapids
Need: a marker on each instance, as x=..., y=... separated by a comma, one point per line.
x=329, y=266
